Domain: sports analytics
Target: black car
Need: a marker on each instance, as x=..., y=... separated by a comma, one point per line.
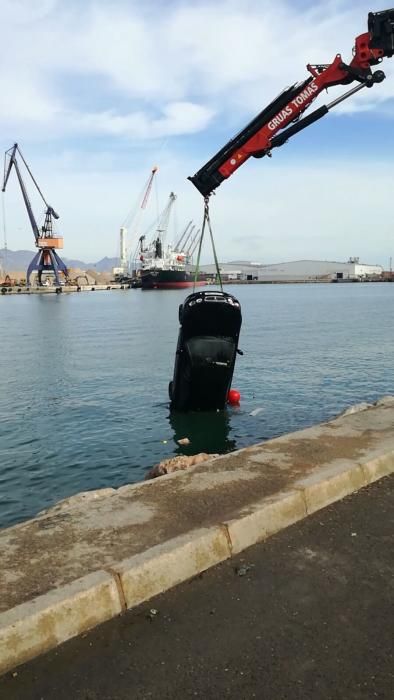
x=207, y=346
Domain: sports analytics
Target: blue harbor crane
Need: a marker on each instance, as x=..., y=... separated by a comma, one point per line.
x=47, y=259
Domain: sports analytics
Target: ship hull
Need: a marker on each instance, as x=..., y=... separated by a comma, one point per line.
x=169, y=279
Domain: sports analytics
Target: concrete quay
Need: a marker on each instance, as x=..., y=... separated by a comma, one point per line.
x=92, y=557
x=305, y=615
x=64, y=289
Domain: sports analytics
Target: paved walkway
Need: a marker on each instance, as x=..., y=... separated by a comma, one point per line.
x=307, y=614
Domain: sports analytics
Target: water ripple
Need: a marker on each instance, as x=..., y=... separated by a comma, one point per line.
x=83, y=401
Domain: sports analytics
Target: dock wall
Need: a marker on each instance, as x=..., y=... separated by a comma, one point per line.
x=66, y=289
x=95, y=555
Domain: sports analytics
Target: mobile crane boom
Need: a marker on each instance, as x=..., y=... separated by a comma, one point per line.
x=261, y=135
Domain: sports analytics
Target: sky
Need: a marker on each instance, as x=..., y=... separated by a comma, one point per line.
x=97, y=92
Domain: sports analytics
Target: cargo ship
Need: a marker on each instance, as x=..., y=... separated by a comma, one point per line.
x=169, y=267
x=168, y=271
x=170, y=279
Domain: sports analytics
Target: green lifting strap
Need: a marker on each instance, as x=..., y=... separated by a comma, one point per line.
x=207, y=220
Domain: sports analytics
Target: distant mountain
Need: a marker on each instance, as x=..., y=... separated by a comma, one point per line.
x=17, y=260
x=103, y=265
x=12, y=260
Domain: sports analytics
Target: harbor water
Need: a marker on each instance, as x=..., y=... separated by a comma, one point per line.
x=84, y=380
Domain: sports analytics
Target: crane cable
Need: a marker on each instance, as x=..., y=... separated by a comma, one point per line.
x=207, y=220
x=32, y=177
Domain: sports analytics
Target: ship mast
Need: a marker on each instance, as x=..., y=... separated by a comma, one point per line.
x=163, y=226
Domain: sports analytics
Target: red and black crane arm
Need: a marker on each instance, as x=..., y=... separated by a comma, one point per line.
x=281, y=119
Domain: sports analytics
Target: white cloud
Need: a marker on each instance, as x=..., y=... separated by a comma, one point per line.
x=176, y=118
x=229, y=57
x=117, y=79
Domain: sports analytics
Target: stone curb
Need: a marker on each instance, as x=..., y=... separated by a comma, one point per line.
x=263, y=519
x=33, y=628
x=329, y=485
x=164, y=566
x=379, y=467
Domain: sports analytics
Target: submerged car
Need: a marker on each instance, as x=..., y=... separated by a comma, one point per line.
x=206, y=351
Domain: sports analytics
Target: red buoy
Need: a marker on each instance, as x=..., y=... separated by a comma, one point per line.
x=233, y=397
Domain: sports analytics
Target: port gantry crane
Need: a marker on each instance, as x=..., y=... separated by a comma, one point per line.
x=47, y=259
x=134, y=218
x=261, y=135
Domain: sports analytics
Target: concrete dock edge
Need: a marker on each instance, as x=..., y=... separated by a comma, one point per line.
x=264, y=519
x=377, y=468
x=160, y=568
x=330, y=485
x=33, y=628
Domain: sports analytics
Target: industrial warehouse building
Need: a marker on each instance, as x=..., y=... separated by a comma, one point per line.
x=296, y=271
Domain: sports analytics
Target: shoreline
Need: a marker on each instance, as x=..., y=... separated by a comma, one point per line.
x=79, y=564
x=113, y=286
